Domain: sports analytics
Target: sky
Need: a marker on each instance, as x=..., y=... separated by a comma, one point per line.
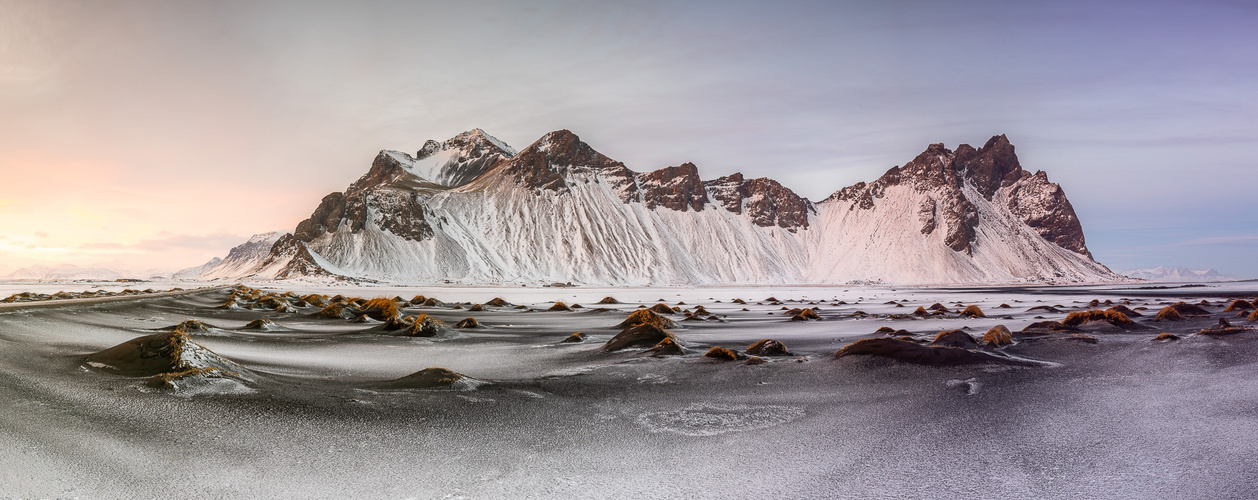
x=159, y=134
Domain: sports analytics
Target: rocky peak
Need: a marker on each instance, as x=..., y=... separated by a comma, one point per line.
x=990, y=167
x=544, y=164
x=932, y=169
x=460, y=159
x=765, y=201
x=943, y=173
x=430, y=147
x=728, y=191
x=388, y=167
x=676, y=188
x=474, y=143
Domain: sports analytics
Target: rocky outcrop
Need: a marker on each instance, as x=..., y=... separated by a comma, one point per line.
x=1043, y=206
x=463, y=158
x=675, y=188
x=765, y=201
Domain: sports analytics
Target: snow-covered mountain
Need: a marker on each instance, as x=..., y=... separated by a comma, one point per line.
x=1177, y=274
x=70, y=272
x=64, y=272
x=472, y=210
x=243, y=258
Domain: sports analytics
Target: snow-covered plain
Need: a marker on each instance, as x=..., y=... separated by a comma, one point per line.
x=1122, y=418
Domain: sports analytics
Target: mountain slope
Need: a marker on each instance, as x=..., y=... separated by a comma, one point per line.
x=193, y=272
x=559, y=210
x=244, y=258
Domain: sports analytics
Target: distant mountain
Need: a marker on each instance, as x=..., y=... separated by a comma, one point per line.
x=64, y=272
x=242, y=258
x=473, y=210
x=1177, y=274
x=193, y=272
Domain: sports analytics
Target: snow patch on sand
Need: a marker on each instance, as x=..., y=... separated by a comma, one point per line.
x=710, y=419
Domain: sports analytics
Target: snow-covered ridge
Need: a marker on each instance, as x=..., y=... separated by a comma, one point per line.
x=472, y=210
x=244, y=258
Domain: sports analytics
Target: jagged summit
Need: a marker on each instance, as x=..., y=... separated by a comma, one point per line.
x=451, y=163
x=471, y=210
x=991, y=170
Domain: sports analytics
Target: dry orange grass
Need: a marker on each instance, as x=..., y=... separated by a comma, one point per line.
x=662, y=308
x=1168, y=313
x=667, y=347
x=1239, y=305
x=998, y=336
x=380, y=309
x=1111, y=316
x=768, y=347
x=723, y=354
x=646, y=317
x=805, y=315
x=331, y=311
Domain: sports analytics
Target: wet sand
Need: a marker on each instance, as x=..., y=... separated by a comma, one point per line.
x=1123, y=418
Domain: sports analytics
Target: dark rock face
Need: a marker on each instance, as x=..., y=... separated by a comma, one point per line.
x=676, y=188
x=301, y=263
x=401, y=211
x=767, y=202
x=927, y=215
x=385, y=170
x=1043, y=206
x=325, y=219
x=728, y=191
x=990, y=167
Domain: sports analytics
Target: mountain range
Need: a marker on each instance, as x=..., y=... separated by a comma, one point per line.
x=1177, y=274
x=473, y=210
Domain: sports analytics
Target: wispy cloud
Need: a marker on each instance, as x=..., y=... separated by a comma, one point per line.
x=167, y=242
x=1218, y=240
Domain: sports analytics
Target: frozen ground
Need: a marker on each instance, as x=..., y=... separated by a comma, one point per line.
x=1123, y=418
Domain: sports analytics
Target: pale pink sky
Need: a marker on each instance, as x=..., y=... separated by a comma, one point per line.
x=158, y=134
